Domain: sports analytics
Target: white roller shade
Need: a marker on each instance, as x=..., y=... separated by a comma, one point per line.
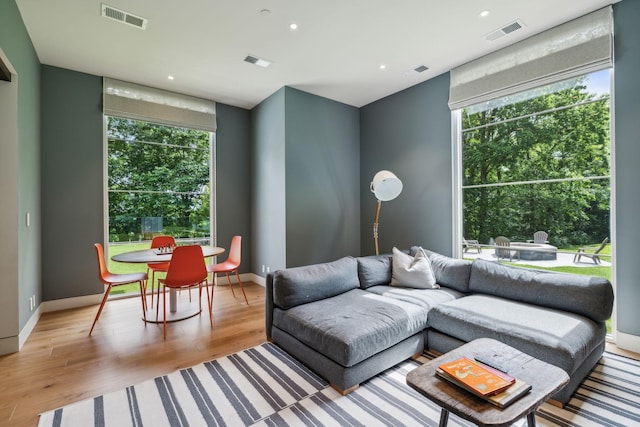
x=574, y=48
x=145, y=103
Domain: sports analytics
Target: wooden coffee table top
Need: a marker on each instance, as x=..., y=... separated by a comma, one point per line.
x=545, y=380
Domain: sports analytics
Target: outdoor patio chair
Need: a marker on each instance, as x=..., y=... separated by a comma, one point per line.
x=471, y=244
x=540, y=237
x=594, y=255
x=502, y=243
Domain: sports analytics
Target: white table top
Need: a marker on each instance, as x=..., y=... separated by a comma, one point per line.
x=145, y=256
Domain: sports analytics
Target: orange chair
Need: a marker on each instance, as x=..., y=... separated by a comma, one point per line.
x=186, y=270
x=160, y=267
x=112, y=279
x=231, y=265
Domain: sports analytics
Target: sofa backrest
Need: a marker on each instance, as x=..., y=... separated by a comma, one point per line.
x=300, y=285
x=450, y=272
x=374, y=270
x=585, y=295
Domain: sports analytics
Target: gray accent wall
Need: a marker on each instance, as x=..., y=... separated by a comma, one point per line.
x=233, y=180
x=268, y=209
x=72, y=182
x=322, y=178
x=306, y=180
x=627, y=172
x=409, y=133
x=20, y=185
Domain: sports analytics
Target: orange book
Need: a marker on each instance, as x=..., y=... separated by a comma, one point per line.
x=478, y=378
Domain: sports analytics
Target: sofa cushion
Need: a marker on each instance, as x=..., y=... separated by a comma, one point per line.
x=425, y=298
x=353, y=326
x=374, y=270
x=560, y=338
x=585, y=295
x=412, y=271
x=300, y=285
x=450, y=272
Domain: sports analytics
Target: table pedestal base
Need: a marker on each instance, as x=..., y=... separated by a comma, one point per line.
x=184, y=309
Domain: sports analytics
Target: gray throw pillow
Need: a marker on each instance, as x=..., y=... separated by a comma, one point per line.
x=412, y=271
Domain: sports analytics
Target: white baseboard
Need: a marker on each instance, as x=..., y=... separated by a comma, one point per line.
x=63, y=304
x=14, y=344
x=28, y=328
x=245, y=277
x=628, y=342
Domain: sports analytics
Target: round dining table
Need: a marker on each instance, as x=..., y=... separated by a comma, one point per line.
x=150, y=256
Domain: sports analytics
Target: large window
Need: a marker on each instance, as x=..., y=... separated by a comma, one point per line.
x=539, y=160
x=159, y=182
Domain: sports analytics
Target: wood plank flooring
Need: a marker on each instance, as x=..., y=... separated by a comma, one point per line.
x=60, y=364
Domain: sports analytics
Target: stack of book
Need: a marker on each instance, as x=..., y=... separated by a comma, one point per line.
x=492, y=385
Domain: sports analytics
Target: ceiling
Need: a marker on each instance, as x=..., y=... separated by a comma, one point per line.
x=336, y=52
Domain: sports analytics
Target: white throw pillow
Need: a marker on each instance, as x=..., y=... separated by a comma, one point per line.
x=412, y=272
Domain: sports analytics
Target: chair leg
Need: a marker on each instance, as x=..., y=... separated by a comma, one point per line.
x=143, y=296
x=230, y=285
x=210, y=303
x=241, y=287
x=158, y=301
x=153, y=283
x=104, y=300
x=164, y=311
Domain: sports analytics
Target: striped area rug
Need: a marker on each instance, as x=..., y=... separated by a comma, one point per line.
x=264, y=386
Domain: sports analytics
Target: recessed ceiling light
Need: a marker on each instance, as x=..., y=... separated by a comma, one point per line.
x=170, y=77
x=484, y=13
x=293, y=26
x=382, y=66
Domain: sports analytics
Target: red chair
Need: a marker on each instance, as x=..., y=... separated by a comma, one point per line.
x=160, y=267
x=231, y=265
x=112, y=279
x=186, y=270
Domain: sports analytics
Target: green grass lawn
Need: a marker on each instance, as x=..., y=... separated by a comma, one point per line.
x=596, y=270
x=123, y=267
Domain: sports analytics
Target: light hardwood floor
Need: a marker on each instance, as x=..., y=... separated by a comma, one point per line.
x=60, y=364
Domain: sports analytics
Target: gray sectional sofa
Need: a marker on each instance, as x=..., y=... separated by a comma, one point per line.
x=346, y=322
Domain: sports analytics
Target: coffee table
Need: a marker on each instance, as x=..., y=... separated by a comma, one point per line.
x=545, y=380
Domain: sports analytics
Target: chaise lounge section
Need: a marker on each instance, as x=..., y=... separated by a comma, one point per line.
x=346, y=321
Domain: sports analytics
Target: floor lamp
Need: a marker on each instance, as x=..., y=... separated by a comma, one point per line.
x=385, y=186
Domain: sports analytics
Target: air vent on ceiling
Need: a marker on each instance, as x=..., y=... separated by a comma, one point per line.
x=124, y=17
x=421, y=69
x=264, y=63
x=507, y=29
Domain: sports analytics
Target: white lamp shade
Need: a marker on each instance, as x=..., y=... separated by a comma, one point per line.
x=386, y=186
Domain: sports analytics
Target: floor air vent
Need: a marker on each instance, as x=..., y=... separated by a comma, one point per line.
x=124, y=17
x=507, y=29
